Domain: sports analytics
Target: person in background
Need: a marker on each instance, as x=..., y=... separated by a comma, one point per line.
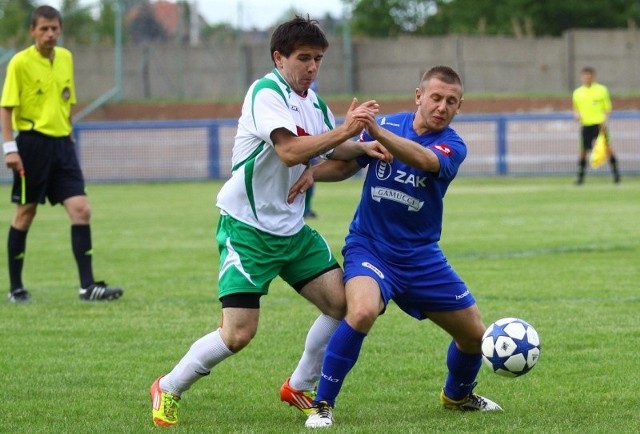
x=260, y=235
x=591, y=108
x=36, y=102
x=392, y=249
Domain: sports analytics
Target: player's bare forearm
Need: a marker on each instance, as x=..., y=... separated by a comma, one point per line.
x=347, y=150
x=353, y=149
x=294, y=150
x=334, y=170
x=327, y=171
x=406, y=150
x=5, y=123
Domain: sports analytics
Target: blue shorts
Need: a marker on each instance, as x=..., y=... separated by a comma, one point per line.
x=426, y=283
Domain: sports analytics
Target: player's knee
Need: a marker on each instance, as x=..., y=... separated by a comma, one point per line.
x=470, y=344
x=22, y=220
x=78, y=209
x=237, y=339
x=361, y=317
x=333, y=304
x=335, y=311
x=83, y=214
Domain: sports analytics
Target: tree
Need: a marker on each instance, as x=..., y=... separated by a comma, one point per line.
x=385, y=18
x=544, y=17
x=78, y=24
x=105, y=25
x=592, y=14
x=16, y=18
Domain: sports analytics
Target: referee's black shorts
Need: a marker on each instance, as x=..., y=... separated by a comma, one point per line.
x=51, y=169
x=589, y=136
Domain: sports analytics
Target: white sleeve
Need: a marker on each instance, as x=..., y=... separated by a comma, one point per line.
x=270, y=112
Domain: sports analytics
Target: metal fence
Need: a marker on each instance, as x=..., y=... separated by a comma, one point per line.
x=498, y=145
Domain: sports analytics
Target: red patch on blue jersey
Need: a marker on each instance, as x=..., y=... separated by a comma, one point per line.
x=443, y=149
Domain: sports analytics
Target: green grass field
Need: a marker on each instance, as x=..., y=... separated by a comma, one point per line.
x=564, y=258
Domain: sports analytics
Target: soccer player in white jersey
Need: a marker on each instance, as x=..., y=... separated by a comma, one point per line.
x=392, y=251
x=260, y=235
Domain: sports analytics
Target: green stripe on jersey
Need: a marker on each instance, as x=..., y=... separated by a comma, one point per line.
x=249, y=164
x=265, y=83
x=325, y=111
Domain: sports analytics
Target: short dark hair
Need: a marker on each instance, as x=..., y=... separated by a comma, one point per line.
x=47, y=12
x=443, y=73
x=295, y=33
x=588, y=70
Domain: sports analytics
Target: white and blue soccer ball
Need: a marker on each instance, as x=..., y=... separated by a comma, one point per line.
x=510, y=347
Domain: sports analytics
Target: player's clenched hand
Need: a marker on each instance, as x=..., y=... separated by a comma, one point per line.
x=370, y=124
x=356, y=116
x=301, y=186
x=376, y=150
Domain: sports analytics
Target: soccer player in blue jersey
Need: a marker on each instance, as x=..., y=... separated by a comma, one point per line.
x=392, y=250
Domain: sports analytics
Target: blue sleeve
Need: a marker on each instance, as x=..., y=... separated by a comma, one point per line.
x=451, y=152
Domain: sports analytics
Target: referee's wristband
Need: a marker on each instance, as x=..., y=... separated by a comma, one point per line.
x=9, y=147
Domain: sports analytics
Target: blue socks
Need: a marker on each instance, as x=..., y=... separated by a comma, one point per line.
x=463, y=370
x=344, y=348
x=340, y=356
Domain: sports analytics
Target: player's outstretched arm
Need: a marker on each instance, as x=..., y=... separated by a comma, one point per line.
x=405, y=150
x=294, y=150
x=327, y=171
x=354, y=149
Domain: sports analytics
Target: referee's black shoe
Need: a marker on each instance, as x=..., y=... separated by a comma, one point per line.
x=100, y=291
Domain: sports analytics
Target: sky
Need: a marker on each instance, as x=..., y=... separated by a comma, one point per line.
x=261, y=14
x=250, y=14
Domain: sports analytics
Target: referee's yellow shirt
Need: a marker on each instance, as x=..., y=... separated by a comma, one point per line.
x=593, y=103
x=40, y=92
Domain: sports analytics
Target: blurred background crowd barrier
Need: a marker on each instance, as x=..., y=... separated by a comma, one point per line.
x=197, y=150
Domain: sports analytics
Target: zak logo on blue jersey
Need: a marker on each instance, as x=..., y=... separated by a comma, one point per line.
x=384, y=171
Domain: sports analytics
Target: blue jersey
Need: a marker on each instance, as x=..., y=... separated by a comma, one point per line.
x=401, y=207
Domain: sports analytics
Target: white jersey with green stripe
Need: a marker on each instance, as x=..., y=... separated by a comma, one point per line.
x=256, y=193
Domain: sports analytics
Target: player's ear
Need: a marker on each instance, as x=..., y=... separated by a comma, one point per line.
x=276, y=56
x=418, y=95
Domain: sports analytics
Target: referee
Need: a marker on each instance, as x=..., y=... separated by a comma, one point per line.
x=36, y=102
x=592, y=107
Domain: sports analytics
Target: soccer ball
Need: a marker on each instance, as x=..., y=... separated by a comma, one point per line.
x=510, y=347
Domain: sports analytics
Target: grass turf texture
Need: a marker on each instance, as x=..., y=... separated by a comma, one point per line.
x=563, y=258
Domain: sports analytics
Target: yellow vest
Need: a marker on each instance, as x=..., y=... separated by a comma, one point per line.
x=593, y=103
x=40, y=92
